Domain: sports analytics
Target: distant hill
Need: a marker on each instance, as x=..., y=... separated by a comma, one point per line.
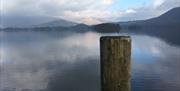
x=166, y=26
x=57, y=23
x=23, y=21
x=33, y=21
x=170, y=18
x=107, y=28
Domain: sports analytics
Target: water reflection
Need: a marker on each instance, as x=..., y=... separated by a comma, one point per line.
x=53, y=61
x=156, y=65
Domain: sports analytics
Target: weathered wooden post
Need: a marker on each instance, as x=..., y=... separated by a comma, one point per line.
x=115, y=52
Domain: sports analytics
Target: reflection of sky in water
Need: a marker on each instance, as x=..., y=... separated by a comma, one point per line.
x=67, y=61
x=141, y=55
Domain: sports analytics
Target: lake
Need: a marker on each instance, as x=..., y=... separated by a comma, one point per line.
x=69, y=61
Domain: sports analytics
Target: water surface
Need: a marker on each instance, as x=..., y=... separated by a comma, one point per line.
x=68, y=61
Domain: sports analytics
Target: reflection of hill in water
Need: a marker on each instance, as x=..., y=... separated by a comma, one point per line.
x=20, y=90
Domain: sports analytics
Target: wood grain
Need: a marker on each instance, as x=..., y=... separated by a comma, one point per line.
x=115, y=52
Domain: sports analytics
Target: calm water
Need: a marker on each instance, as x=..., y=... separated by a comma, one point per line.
x=66, y=61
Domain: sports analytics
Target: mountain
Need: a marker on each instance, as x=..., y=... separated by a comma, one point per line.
x=32, y=21
x=23, y=21
x=166, y=26
x=57, y=23
x=170, y=18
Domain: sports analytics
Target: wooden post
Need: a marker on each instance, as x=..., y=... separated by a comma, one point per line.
x=115, y=52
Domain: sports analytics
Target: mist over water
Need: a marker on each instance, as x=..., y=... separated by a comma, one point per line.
x=68, y=61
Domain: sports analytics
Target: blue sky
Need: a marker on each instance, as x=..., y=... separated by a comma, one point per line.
x=86, y=11
x=125, y=4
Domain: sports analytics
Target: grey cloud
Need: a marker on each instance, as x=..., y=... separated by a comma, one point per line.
x=47, y=7
x=80, y=10
x=169, y=4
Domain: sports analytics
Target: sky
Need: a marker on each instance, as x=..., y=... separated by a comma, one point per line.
x=86, y=11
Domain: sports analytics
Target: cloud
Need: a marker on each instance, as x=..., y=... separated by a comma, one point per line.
x=83, y=11
x=76, y=10
x=169, y=4
x=150, y=10
x=93, y=16
x=130, y=11
x=51, y=7
x=157, y=3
